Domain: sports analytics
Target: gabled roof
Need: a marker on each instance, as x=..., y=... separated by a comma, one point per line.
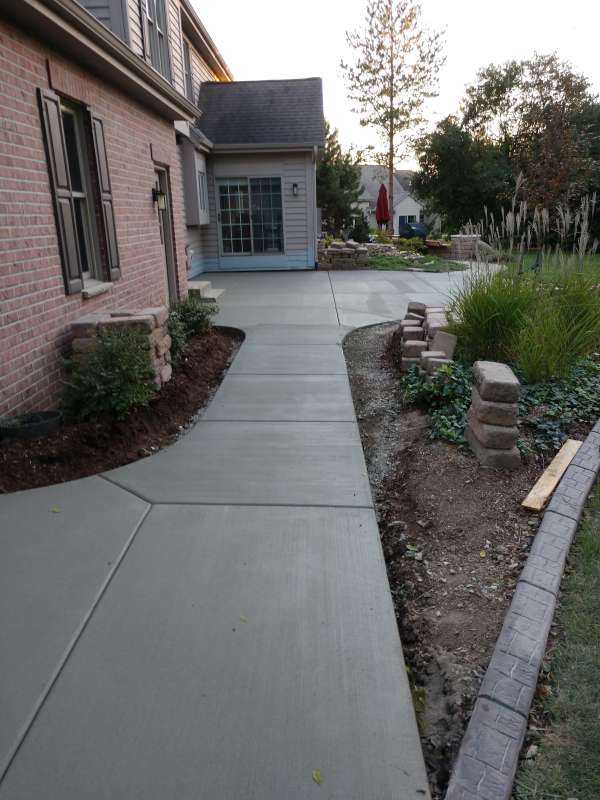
x=373, y=175
x=263, y=112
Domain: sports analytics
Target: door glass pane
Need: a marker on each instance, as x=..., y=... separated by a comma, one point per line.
x=267, y=215
x=235, y=216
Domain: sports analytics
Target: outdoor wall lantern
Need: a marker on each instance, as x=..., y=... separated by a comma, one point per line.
x=159, y=197
x=294, y=189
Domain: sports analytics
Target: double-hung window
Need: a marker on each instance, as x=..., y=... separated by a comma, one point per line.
x=157, y=33
x=251, y=216
x=85, y=220
x=187, y=69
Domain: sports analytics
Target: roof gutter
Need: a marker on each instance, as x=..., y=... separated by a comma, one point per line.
x=272, y=146
x=72, y=32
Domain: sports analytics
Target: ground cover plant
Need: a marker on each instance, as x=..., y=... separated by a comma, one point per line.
x=564, y=761
x=426, y=264
x=187, y=318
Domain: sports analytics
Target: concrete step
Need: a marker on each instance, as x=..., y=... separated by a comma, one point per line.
x=213, y=295
x=198, y=288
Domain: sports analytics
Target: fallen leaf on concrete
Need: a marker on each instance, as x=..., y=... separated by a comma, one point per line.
x=54, y=510
x=316, y=773
x=242, y=618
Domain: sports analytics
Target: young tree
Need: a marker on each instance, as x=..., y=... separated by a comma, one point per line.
x=395, y=72
x=338, y=182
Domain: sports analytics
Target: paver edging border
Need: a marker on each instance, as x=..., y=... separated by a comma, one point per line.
x=487, y=760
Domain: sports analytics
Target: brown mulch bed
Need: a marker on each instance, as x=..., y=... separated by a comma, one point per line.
x=454, y=537
x=77, y=450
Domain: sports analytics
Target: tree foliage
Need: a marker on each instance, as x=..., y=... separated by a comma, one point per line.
x=338, y=182
x=536, y=119
x=395, y=72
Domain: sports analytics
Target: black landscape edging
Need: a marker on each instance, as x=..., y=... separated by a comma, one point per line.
x=487, y=760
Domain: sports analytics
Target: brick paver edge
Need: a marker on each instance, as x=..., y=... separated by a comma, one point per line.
x=487, y=760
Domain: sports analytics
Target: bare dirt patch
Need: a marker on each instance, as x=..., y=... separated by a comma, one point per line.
x=77, y=450
x=454, y=537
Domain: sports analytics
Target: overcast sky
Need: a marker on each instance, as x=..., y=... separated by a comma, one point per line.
x=281, y=39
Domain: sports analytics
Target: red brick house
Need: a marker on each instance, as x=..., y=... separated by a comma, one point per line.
x=98, y=100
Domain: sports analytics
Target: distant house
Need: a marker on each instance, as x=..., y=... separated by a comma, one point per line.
x=129, y=162
x=407, y=208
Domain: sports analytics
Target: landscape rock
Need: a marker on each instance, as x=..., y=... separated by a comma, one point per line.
x=433, y=364
x=425, y=356
x=408, y=362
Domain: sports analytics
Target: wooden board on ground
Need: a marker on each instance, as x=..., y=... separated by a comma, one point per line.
x=549, y=480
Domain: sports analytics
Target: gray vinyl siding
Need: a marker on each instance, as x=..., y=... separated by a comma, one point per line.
x=200, y=72
x=111, y=13
x=296, y=208
x=192, y=234
x=210, y=233
x=176, y=45
x=135, y=27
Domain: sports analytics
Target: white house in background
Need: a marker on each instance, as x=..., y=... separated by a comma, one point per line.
x=406, y=207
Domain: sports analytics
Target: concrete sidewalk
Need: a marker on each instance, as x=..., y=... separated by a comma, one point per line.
x=215, y=621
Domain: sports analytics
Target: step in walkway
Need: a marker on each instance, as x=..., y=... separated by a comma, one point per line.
x=213, y=622
x=203, y=291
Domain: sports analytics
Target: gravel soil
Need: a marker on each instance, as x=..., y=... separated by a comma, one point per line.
x=77, y=450
x=454, y=537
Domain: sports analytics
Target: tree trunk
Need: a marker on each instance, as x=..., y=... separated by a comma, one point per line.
x=391, y=164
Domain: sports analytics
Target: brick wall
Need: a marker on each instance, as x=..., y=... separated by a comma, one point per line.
x=35, y=313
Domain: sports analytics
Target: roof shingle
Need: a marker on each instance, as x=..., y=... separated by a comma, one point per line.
x=263, y=112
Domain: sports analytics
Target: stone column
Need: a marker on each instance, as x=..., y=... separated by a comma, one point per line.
x=492, y=418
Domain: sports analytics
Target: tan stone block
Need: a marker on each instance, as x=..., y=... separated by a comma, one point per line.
x=497, y=437
x=496, y=382
x=410, y=332
x=408, y=362
x=165, y=373
x=494, y=413
x=143, y=324
x=83, y=345
x=426, y=355
x=433, y=364
x=489, y=457
x=160, y=314
x=414, y=348
x=163, y=345
x=156, y=335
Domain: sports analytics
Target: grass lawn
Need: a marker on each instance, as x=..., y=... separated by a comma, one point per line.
x=568, y=762
x=427, y=264
x=552, y=267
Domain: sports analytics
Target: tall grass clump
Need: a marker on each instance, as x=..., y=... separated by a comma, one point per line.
x=542, y=317
x=490, y=309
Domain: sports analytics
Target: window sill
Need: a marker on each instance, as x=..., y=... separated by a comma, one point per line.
x=93, y=288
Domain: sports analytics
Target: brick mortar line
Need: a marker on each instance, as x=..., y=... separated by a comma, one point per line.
x=488, y=757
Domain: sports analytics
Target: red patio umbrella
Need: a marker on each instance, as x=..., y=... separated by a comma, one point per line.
x=382, y=212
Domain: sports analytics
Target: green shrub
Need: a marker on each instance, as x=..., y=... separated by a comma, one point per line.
x=114, y=376
x=186, y=318
x=361, y=232
x=176, y=330
x=383, y=236
x=413, y=245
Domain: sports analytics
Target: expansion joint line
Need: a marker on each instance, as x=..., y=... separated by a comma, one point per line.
x=4, y=767
x=334, y=300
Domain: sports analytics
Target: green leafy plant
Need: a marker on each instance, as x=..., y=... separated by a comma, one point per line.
x=186, y=318
x=383, y=236
x=15, y=422
x=448, y=396
x=115, y=375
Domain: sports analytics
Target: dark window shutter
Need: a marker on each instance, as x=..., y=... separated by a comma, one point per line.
x=106, y=198
x=145, y=31
x=58, y=167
